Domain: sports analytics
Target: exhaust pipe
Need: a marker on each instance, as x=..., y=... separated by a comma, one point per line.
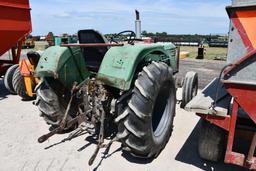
x=137, y=25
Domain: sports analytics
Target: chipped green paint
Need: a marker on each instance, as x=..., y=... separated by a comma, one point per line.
x=65, y=64
x=119, y=64
x=117, y=68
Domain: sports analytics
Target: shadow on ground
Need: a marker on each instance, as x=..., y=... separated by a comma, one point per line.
x=126, y=155
x=188, y=154
x=3, y=91
x=105, y=156
x=137, y=160
x=91, y=139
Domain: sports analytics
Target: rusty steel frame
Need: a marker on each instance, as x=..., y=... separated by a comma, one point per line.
x=232, y=157
x=222, y=122
x=15, y=55
x=16, y=52
x=228, y=123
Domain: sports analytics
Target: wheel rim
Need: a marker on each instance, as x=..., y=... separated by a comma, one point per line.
x=194, y=91
x=195, y=88
x=160, y=114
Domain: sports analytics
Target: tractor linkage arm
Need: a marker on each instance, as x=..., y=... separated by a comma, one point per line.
x=68, y=124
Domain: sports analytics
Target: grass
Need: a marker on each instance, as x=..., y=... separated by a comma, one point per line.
x=211, y=53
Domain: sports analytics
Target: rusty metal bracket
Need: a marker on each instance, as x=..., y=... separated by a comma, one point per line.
x=100, y=138
x=63, y=123
x=249, y=159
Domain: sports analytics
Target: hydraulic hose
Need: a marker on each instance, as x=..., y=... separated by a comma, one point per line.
x=218, y=86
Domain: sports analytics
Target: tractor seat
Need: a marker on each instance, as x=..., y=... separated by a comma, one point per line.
x=93, y=55
x=33, y=57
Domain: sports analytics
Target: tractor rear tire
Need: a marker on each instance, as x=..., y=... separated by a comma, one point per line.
x=50, y=105
x=189, y=88
x=19, y=85
x=146, y=123
x=212, y=142
x=8, y=78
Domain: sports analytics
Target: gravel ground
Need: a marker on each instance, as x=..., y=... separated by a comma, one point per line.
x=21, y=126
x=206, y=69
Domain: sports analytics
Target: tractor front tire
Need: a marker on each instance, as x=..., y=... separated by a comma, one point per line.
x=8, y=78
x=189, y=88
x=212, y=142
x=19, y=85
x=146, y=124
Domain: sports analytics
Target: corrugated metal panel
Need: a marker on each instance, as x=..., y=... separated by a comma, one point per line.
x=243, y=2
x=242, y=40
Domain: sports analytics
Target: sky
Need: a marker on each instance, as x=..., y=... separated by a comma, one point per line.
x=112, y=16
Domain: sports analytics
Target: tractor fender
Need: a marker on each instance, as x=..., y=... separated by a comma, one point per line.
x=120, y=63
x=63, y=63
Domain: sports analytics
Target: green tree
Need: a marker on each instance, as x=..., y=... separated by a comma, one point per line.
x=144, y=33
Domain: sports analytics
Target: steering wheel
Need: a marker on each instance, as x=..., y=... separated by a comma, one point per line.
x=131, y=37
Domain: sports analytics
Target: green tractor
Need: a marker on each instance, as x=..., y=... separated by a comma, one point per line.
x=125, y=91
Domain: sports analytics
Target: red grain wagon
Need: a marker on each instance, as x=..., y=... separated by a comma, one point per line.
x=15, y=25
